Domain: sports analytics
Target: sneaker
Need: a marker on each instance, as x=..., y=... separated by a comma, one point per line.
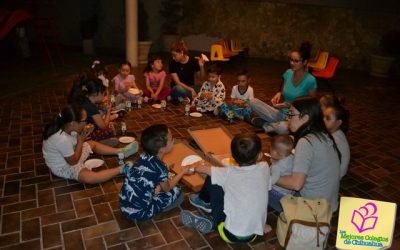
x=195, y=200
x=203, y=225
x=124, y=169
x=257, y=122
x=130, y=149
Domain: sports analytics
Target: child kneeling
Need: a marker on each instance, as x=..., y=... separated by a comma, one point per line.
x=237, y=197
x=146, y=190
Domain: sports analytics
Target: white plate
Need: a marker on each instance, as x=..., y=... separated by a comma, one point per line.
x=190, y=159
x=196, y=114
x=126, y=139
x=156, y=106
x=134, y=91
x=94, y=163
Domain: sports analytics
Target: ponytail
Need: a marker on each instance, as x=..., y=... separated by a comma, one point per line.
x=305, y=51
x=69, y=114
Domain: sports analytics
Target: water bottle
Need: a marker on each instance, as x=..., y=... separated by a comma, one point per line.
x=112, y=99
x=187, y=109
x=128, y=105
x=123, y=128
x=121, y=157
x=163, y=105
x=139, y=103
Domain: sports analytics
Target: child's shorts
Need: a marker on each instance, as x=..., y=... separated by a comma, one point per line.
x=230, y=238
x=72, y=172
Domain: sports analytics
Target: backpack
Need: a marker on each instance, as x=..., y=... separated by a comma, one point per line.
x=304, y=223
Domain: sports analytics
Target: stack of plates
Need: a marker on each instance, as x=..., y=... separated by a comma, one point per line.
x=134, y=91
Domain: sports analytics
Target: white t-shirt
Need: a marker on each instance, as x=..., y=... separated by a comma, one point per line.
x=60, y=146
x=280, y=168
x=245, y=198
x=248, y=95
x=344, y=149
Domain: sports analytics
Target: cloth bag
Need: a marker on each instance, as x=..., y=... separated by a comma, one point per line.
x=304, y=223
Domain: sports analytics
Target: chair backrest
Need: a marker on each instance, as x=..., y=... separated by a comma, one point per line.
x=331, y=66
x=316, y=57
x=321, y=63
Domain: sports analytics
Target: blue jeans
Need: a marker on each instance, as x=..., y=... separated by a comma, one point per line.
x=272, y=116
x=214, y=195
x=274, y=198
x=180, y=92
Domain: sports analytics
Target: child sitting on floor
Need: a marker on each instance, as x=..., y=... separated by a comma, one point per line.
x=154, y=74
x=237, y=197
x=146, y=190
x=125, y=81
x=212, y=93
x=65, y=148
x=281, y=164
x=241, y=94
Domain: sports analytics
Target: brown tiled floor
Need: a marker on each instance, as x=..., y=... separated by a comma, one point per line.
x=39, y=210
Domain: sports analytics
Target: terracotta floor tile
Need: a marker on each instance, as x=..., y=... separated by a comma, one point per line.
x=51, y=236
x=147, y=242
x=30, y=229
x=11, y=223
x=122, y=236
x=73, y=240
x=100, y=230
x=193, y=237
x=78, y=223
x=96, y=243
x=168, y=231
x=103, y=212
x=64, y=202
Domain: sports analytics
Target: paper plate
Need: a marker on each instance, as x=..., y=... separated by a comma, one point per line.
x=196, y=114
x=134, y=91
x=126, y=139
x=190, y=159
x=94, y=163
x=156, y=106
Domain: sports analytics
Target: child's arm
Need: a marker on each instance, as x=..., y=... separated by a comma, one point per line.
x=160, y=86
x=74, y=159
x=148, y=87
x=168, y=185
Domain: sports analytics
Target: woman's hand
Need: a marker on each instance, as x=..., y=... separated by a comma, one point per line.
x=277, y=97
x=200, y=60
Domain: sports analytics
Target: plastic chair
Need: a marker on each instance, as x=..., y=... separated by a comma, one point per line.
x=329, y=71
x=235, y=46
x=217, y=53
x=315, y=59
x=320, y=64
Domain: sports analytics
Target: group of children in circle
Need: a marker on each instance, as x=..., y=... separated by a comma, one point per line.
x=68, y=141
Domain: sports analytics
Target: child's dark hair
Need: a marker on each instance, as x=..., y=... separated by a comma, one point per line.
x=70, y=113
x=341, y=113
x=246, y=148
x=98, y=68
x=149, y=65
x=305, y=51
x=214, y=68
x=329, y=100
x=243, y=72
x=154, y=138
x=86, y=85
x=179, y=47
x=126, y=62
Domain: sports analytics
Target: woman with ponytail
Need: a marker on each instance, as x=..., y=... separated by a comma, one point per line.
x=316, y=165
x=297, y=82
x=65, y=148
x=89, y=92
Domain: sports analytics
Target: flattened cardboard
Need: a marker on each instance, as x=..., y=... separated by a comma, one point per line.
x=174, y=159
x=215, y=142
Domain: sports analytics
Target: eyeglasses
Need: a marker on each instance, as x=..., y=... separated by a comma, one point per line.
x=294, y=60
x=290, y=115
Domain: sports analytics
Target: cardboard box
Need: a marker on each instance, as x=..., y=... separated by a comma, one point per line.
x=174, y=159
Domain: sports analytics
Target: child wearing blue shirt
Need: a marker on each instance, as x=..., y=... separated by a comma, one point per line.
x=146, y=190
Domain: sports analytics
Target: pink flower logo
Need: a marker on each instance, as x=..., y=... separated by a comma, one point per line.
x=363, y=218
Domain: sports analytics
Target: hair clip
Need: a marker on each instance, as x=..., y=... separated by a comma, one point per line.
x=94, y=63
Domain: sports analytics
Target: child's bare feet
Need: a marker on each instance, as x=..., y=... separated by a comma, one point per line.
x=267, y=228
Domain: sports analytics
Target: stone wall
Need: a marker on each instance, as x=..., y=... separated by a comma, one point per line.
x=272, y=29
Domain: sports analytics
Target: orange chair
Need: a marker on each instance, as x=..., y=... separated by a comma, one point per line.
x=320, y=64
x=235, y=46
x=329, y=71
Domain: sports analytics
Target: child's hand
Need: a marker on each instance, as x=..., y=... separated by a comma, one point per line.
x=189, y=169
x=86, y=131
